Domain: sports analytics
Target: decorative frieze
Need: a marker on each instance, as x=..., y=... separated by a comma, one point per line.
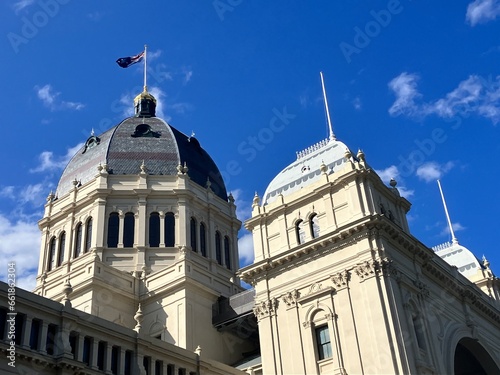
x=265, y=308
x=290, y=298
x=366, y=269
x=341, y=279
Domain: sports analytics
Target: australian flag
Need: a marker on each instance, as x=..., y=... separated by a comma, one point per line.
x=125, y=62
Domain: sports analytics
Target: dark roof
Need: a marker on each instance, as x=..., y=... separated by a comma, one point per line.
x=137, y=139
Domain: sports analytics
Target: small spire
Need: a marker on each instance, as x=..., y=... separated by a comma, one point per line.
x=330, y=128
x=92, y=132
x=453, y=238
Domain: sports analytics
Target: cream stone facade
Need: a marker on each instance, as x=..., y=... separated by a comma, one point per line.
x=138, y=271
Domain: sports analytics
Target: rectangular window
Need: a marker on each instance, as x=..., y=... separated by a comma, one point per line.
x=128, y=363
x=323, y=342
x=158, y=367
x=87, y=345
x=101, y=353
x=50, y=344
x=115, y=358
x=35, y=333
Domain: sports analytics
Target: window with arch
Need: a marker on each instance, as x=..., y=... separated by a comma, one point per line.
x=300, y=232
x=218, y=247
x=314, y=226
x=52, y=254
x=78, y=241
x=192, y=229
x=323, y=343
x=128, y=229
x=62, y=247
x=203, y=239
x=88, y=235
x=154, y=229
x=113, y=229
x=169, y=229
x=227, y=253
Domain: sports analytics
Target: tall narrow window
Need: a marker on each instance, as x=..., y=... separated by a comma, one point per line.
x=203, y=239
x=50, y=344
x=314, y=226
x=113, y=229
x=323, y=342
x=36, y=325
x=300, y=233
x=193, y=234
x=62, y=247
x=52, y=254
x=227, y=253
x=87, y=345
x=128, y=229
x=218, y=248
x=169, y=229
x=101, y=354
x=78, y=241
x=88, y=235
x=128, y=362
x=154, y=229
x=115, y=358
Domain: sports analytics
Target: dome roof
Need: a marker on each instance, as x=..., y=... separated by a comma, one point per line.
x=136, y=140
x=459, y=256
x=306, y=169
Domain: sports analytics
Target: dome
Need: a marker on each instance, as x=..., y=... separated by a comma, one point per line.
x=459, y=256
x=135, y=140
x=306, y=169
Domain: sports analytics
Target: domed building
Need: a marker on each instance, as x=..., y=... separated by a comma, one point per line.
x=141, y=232
x=138, y=271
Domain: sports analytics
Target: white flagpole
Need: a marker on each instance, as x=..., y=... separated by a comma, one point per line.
x=453, y=238
x=145, y=67
x=332, y=136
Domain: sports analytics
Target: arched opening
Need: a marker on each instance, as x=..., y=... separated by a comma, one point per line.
x=193, y=234
x=62, y=247
x=314, y=226
x=203, y=239
x=227, y=252
x=169, y=229
x=88, y=235
x=52, y=254
x=300, y=232
x=128, y=229
x=472, y=359
x=113, y=228
x=78, y=241
x=154, y=229
x=218, y=247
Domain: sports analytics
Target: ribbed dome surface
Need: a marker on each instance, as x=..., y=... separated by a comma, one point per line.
x=137, y=139
x=306, y=169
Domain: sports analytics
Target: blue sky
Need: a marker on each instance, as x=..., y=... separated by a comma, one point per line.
x=415, y=84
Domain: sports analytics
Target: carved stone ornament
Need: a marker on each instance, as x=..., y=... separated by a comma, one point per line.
x=265, y=308
x=314, y=288
x=290, y=298
x=366, y=269
x=341, y=279
x=423, y=290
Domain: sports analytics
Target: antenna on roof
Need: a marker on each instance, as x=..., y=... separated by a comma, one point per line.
x=453, y=238
x=330, y=128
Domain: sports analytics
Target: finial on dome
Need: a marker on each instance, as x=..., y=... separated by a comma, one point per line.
x=347, y=154
x=256, y=200
x=360, y=155
x=323, y=168
x=486, y=263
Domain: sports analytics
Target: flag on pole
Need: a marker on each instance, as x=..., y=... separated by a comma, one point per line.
x=125, y=62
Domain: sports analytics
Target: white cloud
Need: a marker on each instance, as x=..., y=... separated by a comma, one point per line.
x=475, y=95
x=357, y=103
x=21, y=4
x=404, y=87
x=188, y=74
x=392, y=172
x=456, y=228
x=19, y=243
x=482, y=11
x=433, y=171
x=245, y=248
x=7, y=192
x=50, y=99
x=49, y=162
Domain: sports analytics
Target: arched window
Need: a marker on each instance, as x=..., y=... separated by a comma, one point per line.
x=128, y=229
x=227, y=254
x=88, y=235
x=299, y=231
x=203, y=239
x=193, y=234
x=113, y=229
x=169, y=229
x=78, y=241
x=314, y=226
x=218, y=248
x=62, y=247
x=154, y=229
x=52, y=254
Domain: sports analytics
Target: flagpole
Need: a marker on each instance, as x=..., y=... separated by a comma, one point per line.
x=145, y=66
x=330, y=128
